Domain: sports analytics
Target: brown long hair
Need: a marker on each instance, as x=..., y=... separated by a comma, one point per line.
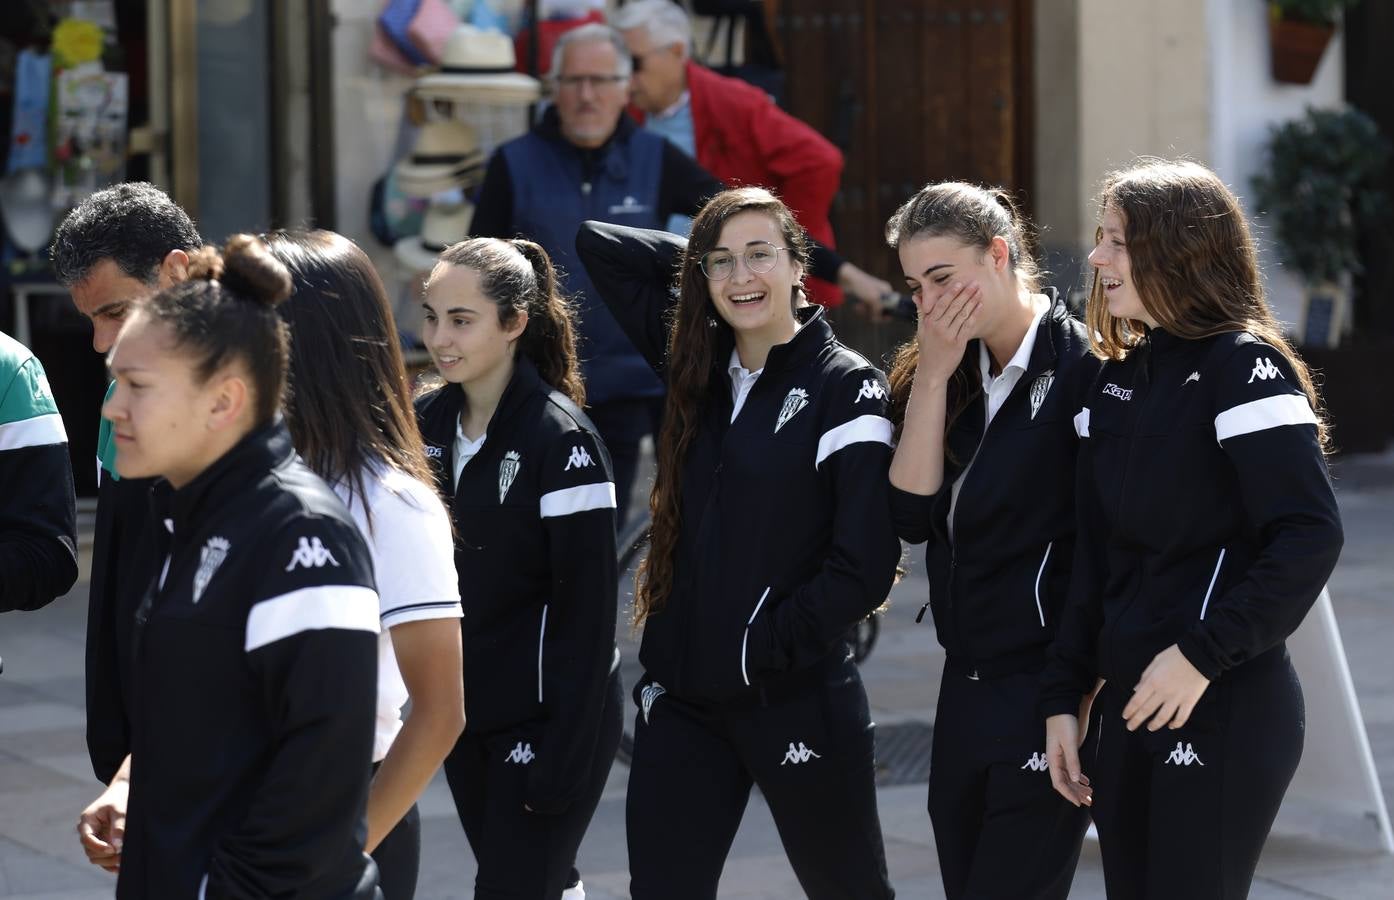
x=695, y=334
x=349, y=403
x=518, y=276
x=973, y=216
x=1193, y=261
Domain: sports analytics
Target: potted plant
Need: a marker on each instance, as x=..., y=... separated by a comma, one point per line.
x=1298, y=32
x=1319, y=192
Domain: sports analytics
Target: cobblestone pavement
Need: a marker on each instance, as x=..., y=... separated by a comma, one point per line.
x=45, y=778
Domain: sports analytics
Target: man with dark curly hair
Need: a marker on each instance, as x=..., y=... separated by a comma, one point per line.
x=118, y=247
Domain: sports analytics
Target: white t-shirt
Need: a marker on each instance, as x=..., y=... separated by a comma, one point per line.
x=413, y=550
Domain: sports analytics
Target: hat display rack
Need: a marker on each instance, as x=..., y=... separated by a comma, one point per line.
x=471, y=103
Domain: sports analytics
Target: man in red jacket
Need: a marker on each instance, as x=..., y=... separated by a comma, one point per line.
x=738, y=134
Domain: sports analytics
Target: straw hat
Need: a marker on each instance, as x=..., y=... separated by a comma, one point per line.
x=446, y=155
x=444, y=225
x=479, y=65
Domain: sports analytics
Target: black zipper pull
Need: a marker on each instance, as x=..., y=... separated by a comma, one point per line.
x=920, y=618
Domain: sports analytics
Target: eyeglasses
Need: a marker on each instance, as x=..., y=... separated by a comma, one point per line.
x=760, y=257
x=640, y=57
x=594, y=82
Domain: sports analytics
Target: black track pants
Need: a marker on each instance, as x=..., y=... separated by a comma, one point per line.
x=810, y=753
x=1002, y=831
x=523, y=855
x=1185, y=813
x=398, y=856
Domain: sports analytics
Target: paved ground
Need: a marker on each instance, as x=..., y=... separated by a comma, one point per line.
x=45, y=779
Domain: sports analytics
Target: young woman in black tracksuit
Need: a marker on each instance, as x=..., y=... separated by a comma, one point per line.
x=255, y=649
x=984, y=472
x=533, y=500
x=771, y=538
x=1207, y=528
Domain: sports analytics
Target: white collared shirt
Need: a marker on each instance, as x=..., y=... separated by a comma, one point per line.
x=997, y=390
x=465, y=449
x=742, y=380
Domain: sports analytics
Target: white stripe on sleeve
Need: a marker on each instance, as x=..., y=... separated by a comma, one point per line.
x=1260, y=415
x=347, y=606
x=581, y=498
x=36, y=432
x=863, y=429
x=1082, y=422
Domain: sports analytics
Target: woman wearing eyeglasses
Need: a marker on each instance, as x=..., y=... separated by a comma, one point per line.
x=772, y=536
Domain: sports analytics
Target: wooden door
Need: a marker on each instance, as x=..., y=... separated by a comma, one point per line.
x=913, y=91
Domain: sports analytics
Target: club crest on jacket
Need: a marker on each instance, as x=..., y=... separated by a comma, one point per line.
x=794, y=401
x=1039, y=388
x=508, y=470
x=209, y=559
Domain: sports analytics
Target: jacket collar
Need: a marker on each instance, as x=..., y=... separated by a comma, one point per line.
x=440, y=427
x=226, y=479
x=813, y=334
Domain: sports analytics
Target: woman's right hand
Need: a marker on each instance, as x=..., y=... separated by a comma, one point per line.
x=102, y=826
x=946, y=322
x=1062, y=752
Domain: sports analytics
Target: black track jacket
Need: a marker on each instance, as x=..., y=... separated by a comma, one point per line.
x=785, y=538
x=254, y=677
x=997, y=588
x=1206, y=516
x=534, y=517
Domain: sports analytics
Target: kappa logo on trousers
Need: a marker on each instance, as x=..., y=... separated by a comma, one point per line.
x=1181, y=757
x=521, y=754
x=799, y=754
x=1037, y=763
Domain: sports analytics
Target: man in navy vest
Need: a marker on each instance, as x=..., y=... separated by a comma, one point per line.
x=586, y=159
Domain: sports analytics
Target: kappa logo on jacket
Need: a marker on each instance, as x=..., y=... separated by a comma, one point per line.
x=1037, y=763
x=1039, y=388
x=311, y=554
x=871, y=390
x=799, y=754
x=209, y=558
x=521, y=754
x=1265, y=370
x=794, y=401
x=579, y=459
x=648, y=695
x=1181, y=757
x=508, y=471
x=1113, y=390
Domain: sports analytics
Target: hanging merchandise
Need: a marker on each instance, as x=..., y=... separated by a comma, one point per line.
x=445, y=224
x=26, y=209
x=89, y=143
x=28, y=134
x=431, y=27
x=77, y=41
x=446, y=156
x=395, y=20
x=478, y=66
x=485, y=18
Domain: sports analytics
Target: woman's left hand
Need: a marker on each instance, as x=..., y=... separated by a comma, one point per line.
x=1167, y=692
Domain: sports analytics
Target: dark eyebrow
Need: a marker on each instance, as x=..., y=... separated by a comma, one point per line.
x=932, y=269
x=451, y=311
x=106, y=308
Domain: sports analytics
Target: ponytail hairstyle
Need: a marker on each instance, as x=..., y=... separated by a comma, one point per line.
x=1193, y=261
x=518, y=276
x=696, y=332
x=973, y=216
x=349, y=404
x=226, y=313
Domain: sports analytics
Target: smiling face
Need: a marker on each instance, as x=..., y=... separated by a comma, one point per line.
x=165, y=422
x=933, y=264
x=754, y=303
x=1113, y=270
x=461, y=328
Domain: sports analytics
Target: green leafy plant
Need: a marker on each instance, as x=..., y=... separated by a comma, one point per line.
x=1321, y=189
x=1317, y=12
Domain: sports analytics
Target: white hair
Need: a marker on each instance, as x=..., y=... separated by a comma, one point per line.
x=593, y=33
x=665, y=21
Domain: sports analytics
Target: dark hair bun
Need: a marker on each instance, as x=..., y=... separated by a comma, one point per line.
x=205, y=264
x=250, y=270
